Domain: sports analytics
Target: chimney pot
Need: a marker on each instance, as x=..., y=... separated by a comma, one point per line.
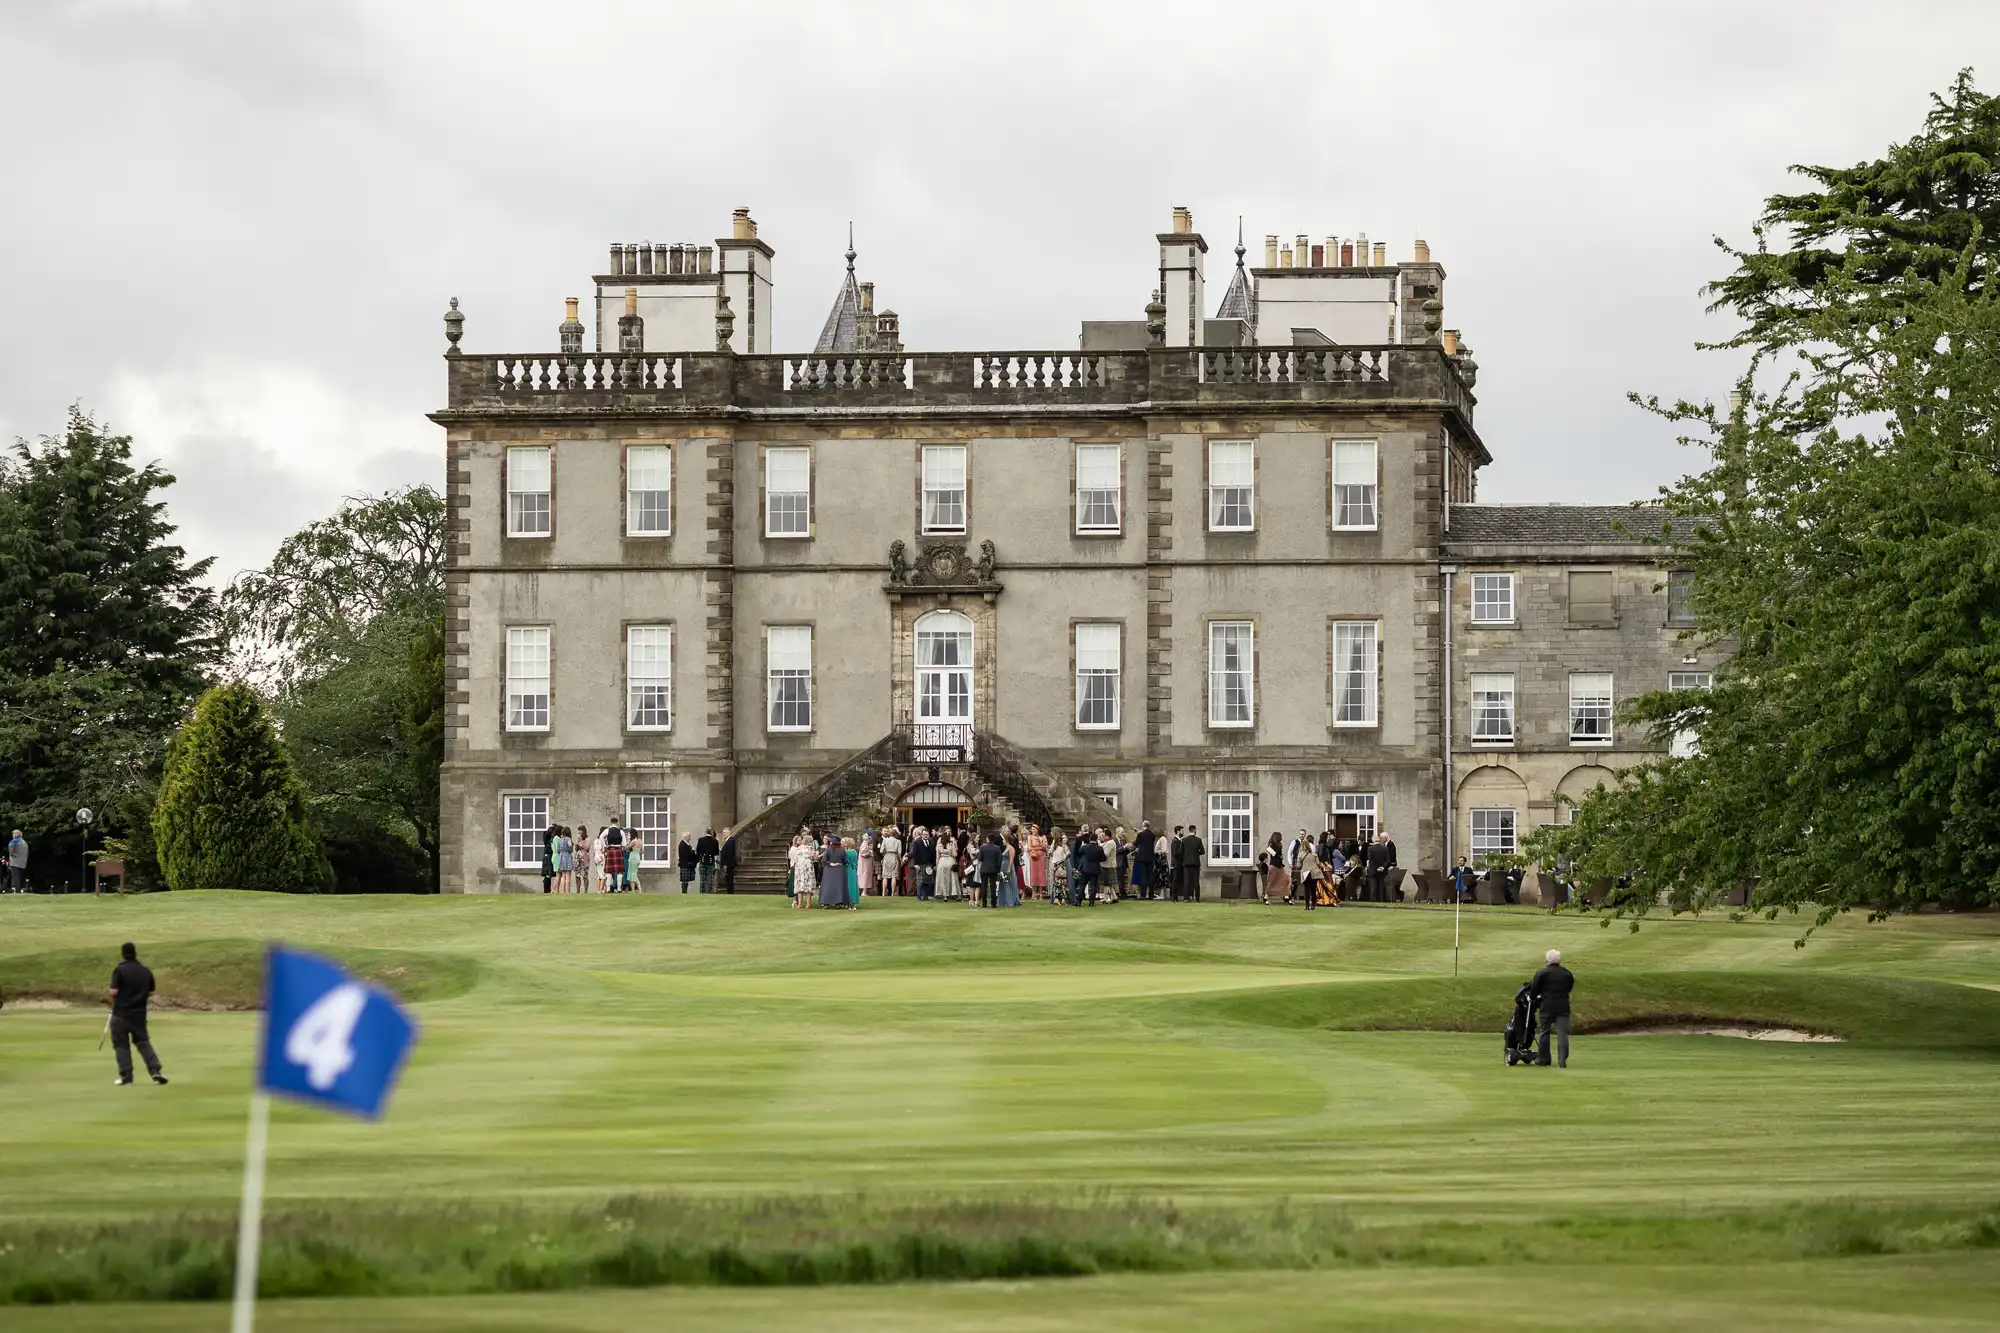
x=1270, y=252
x=1347, y=254
x=1318, y=257
x=707, y=254
x=1284, y=256
x=1423, y=255
x=1381, y=254
x=1183, y=220
x=741, y=227
x=867, y=298
x=1361, y=249
x=569, y=307
x=1451, y=342
x=631, y=300
x=676, y=261
x=646, y=258
x=617, y=260
x=631, y=259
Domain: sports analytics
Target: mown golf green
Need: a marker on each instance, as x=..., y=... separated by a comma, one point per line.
x=720, y=1113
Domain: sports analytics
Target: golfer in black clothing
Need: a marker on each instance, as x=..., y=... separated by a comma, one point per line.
x=131, y=987
x=1552, y=986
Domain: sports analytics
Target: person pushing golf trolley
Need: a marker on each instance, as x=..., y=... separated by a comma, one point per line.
x=1542, y=1006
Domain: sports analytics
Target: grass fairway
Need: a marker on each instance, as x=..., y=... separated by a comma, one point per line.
x=1323, y=1078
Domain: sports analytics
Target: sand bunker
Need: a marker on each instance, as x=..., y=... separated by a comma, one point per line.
x=1747, y=1033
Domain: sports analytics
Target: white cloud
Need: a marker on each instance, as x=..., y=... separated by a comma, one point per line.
x=259, y=451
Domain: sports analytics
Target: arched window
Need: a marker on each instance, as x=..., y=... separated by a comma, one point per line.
x=944, y=668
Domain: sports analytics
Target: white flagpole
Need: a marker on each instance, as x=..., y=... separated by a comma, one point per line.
x=1456, y=899
x=249, y=1225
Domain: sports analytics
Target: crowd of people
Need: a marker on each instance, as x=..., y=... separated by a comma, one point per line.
x=576, y=860
x=1000, y=868
x=1326, y=870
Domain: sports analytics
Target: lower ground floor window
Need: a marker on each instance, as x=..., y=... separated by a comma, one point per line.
x=1110, y=798
x=527, y=815
x=1229, y=821
x=652, y=818
x=1492, y=833
x=1353, y=815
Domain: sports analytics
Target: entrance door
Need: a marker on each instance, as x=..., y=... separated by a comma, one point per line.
x=944, y=669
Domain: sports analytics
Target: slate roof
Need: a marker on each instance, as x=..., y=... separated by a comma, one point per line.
x=844, y=323
x=1560, y=525
x=1240, y=301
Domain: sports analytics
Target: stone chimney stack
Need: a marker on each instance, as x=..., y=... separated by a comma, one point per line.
x=867, y=298
x=1183, y=283
x=571, y=329
x=1420, y=297
x=746, y=281
x=631, y=329
x=1270, y=252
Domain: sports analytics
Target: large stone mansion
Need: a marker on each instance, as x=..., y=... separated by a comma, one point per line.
x=1223, y=570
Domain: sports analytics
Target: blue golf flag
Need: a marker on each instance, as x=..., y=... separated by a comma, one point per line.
x=329, y=1038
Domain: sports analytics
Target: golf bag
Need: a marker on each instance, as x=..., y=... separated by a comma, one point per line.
x=1521, y=1027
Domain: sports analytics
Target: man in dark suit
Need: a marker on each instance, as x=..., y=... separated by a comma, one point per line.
x=1381, y=859
x=1143, y=877
x=1085, y=865
x=1552, y=986
x=1170, y=868
x=727, y=858
x=1192, y=850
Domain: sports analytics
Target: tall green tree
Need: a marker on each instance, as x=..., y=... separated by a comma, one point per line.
x=346, y=625
x=1838, y=263
x=1850, y=748
x=232, y=812
x=107, y=634
x=1848, y=559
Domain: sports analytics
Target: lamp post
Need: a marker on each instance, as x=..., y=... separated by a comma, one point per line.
x=83, y=818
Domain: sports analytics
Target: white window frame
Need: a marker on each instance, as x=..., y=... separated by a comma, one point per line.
x=774, y=671
x=788, y=455
x=1685, y=620
x=1091, y=495
x=649, y=463
x=523, y=643
x=1501, y=835
x=1502, y=584
x=657, y=851
x=1218, y=675
x=1577, y=734
x=943, y=687
x=943, y=493
x=1686, y=744
x=514, y=807
x=1090, y=669
x=1239, y=803
x=1497, y=684
x=531, y=510
x=1357, y=476
x=1222, y=495
x=1365, y=806
x=651, y=670
x=1110, y=798
x=1369, y=633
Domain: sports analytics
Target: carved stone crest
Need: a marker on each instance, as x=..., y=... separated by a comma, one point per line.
x=943, y=564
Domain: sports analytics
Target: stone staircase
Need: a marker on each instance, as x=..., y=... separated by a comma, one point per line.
x=1010, y=786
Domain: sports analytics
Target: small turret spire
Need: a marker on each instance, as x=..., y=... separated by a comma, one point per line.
x=850, y=246
x=1239, y=240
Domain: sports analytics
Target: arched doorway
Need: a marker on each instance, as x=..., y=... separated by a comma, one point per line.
x=934, y=805
x=944, y=670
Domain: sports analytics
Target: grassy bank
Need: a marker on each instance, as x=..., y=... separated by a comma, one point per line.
x=825, y=1241
x=919, y=1093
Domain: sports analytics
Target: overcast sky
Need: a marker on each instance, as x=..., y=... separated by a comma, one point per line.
x=231, y=228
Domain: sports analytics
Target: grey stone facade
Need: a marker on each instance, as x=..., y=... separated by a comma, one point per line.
x=719, y=580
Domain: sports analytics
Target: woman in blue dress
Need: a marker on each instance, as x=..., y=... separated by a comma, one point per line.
x=851, y=860
x=1010, y=875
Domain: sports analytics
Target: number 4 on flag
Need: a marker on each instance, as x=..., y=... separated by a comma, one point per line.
x=328, y=1038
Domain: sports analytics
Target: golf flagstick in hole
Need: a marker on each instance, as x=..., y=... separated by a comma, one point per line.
x=107, y=1032
x=329, y=1039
